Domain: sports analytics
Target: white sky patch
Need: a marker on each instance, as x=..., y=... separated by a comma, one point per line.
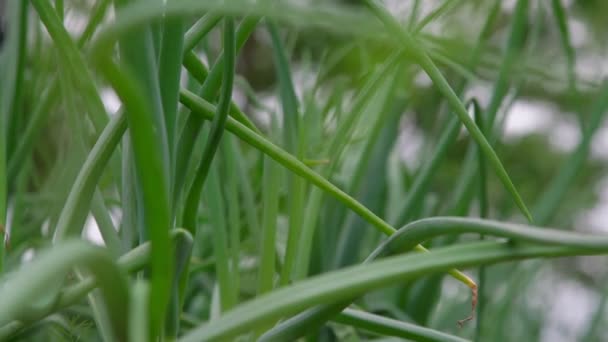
x=579, y=34
x=239, y=97
x=423, y=80
x=91, y=231
x=508, y=5
x=304, y=77
x=116, y=216
x=565, y=134
x=75, y=22
x=571, y=307
x=481, y=91
x=271, y=102
x=527, y=117
x=566, y=305
x=409, y=144
x=28, y=255
x=599, y=144
x=45, y=229
x=398, y=8
x=595, y=220
x=110, y=100
x=591, y=66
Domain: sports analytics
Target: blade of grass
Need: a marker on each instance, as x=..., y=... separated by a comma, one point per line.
x=73, y=215
x=205, y=109
x=199, y=71
x=151, y=174
x=105, y=224
x=369, y=179
x=419, y=231
x=512, y=51
x=132, y=261
x=31, y=133
x=423, y=179
x=42, y=108
x=483, y=213
x=354, y=281
x=211, y=83
x=199, y=30
x=138, y=308
x=424, y=302
x=13, y=69
x=594, y=327
x=335, y=150
x=564, y=35
x=217, y=128
x=72, y=58
x=463, y=195
x=422, y=58
x=97, y=14
x=15, y=59
x=289, y=100
x=31, y=280
x=217, y=213
x=414, y=12
x=392, y=327
x=137, y=52
x=183, y=252
x=442, y=9
x=59, y=7
x=128, y=197
x=77, y=154
x=169, y=72
x=232, y=158
x=234, y=209
x=447, y=136
x=247, y=191
x=270, y=203
x=339, y=19
x=331, y=18
x=294, y=144
x=424, y=229
x=550, y=199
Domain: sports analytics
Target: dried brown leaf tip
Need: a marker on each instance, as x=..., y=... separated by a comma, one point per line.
x=473, y=307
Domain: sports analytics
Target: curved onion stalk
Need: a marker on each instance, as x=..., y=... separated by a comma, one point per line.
x=353, y=281
x=205, y=109
x=10, y=96
x=132, y=261
x=48, y=98
x=217, y=128
x=32, y=280
x=294, y=143
x=329, y=17
x=72, y=56
x=420, y=55
x=392, y=327
x=211, y=81
x=73, y=215
x=138, y=308
x=152, y=176
x=417, y=232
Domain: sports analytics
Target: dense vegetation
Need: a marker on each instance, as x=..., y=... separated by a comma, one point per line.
x=275, y=170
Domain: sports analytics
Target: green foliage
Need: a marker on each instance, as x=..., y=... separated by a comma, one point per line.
x=289, y=209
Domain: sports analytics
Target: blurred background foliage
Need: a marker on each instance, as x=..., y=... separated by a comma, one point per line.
x=550, y=100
